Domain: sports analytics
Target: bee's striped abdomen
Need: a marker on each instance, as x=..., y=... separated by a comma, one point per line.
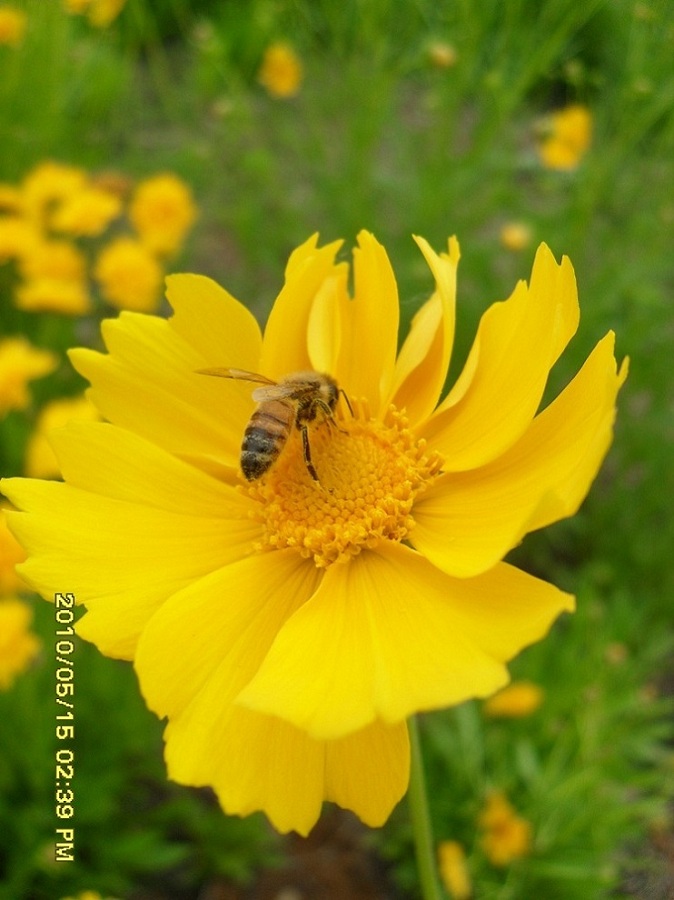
x=265, y=437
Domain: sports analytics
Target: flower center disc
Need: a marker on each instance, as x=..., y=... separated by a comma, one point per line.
x=370, y=473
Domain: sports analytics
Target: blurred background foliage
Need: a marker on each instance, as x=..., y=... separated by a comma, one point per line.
x=406, y=117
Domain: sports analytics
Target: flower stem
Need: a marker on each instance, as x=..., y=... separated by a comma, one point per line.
x=421, y=820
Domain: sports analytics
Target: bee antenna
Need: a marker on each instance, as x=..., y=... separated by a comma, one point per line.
x=346, y=397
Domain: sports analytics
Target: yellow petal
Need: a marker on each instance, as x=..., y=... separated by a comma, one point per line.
x=149, y=383
x=516, y=345
x=267, y=765
x=380, y=639
x=504, y=610
x=271, y=766
x=232, y=617
x=368, y=772
x=580, y=430
x=369, y=325
x=219, y=328
x=468, y=521
x=72, y=535
x=285, y=348
x=421, y=367
x=113, y=462
x=324, y=336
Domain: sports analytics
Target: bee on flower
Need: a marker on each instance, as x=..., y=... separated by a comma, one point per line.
x=288, y=620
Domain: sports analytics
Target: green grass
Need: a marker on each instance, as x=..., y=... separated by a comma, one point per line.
x=380, y=139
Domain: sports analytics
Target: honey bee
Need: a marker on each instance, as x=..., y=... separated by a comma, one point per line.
x=295, y=399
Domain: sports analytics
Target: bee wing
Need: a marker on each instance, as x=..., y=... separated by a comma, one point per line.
x=238, y=374
x=274, y=392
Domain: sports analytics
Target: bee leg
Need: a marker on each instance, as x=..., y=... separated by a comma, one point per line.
x=306, y=452
x=330, y=416
x=332, y=424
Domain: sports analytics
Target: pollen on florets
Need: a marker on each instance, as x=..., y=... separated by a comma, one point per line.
x=370, y=474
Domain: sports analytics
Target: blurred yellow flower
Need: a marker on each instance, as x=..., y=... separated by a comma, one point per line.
x=358, y=593
x=40, y=461
x=55, y=274
x=19, y=363
x=616, y=653
x=76, y=7
x=517, y=700
x=89, y=895
x=10, y=198
x=18, y=238
x=11, y=553
x=12, y=26
x=69, y=296
x=54, y=259
x=507, y=836
x=568, y=134
x=18, y=645
x=129, y=275
x=453, y=870
x=281, y=70
x=99, y=12
x=47, y=184
x=442, y=54
x=87, y=212
x=516, y=236
x=162, y=211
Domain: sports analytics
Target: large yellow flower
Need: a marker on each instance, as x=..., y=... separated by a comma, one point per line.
x=287, y=627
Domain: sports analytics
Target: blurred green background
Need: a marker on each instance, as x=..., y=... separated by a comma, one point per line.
x=416, y=116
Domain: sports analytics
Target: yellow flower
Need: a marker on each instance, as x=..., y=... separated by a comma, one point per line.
x=69, y=296
x=519, y=699
x=162, y=212
x=288, y=626
x=129, y=275
x=76, y=7
x=453, y=870
x=11, y=554
x=281, y=70
x=442, y=54
x=54, y=259
x=99, y=12
x=515, y=236
x=569, y=133
x=507, y=836
x=87, y=212
x=12, y=26
x=10, y=198
x=47, y=184
x=18, y=645
x=19, y=363
x=40, y=459
x=18, y=238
